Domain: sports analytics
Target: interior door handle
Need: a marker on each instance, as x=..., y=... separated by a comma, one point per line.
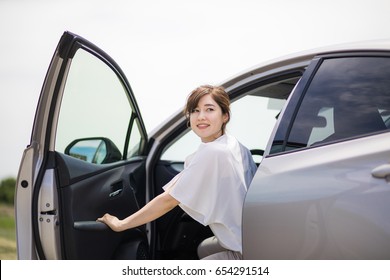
x=115, y=193
x=382, y=171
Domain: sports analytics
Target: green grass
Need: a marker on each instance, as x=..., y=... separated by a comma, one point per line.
x=7, y=233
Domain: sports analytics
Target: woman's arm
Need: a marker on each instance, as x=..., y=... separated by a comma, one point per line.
x=151, y=211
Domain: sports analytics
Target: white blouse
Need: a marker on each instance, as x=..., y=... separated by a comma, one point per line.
x=212, y=187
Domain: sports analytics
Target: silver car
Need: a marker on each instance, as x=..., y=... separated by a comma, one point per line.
x=317, y=124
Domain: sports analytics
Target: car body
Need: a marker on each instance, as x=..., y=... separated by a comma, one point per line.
x=316, y=122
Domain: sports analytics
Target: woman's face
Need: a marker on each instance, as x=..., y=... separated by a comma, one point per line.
x=207, y=119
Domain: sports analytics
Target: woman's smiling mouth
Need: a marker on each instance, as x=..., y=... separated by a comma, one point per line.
x=202, y=126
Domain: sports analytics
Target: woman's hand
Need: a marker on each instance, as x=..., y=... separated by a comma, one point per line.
x=113, y=222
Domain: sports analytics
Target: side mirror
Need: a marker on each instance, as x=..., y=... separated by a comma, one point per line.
x=98, y=150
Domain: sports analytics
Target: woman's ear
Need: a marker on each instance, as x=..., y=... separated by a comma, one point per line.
x=226, y=118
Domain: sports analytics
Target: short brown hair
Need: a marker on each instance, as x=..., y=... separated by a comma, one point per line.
x=218, y=94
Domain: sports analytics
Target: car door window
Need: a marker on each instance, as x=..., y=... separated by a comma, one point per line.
x=348, y=97
x=96, y=109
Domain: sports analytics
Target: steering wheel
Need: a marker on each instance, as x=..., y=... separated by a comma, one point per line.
x=257, y=152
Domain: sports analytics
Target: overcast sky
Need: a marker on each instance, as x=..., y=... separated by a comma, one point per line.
x=166, y=48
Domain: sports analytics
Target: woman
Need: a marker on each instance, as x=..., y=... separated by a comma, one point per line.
x=213, y=184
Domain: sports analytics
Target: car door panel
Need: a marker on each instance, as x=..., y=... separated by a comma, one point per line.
x=85, y=96
x=321, y=207
x=86, y=199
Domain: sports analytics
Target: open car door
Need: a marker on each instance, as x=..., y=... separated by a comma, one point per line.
x=86, y=158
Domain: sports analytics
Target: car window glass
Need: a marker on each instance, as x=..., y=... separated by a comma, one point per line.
x=95, y=105
x=253, y=119
x=181, y=147
x=348, y=97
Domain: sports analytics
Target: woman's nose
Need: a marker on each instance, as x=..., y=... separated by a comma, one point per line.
x=201, y=115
